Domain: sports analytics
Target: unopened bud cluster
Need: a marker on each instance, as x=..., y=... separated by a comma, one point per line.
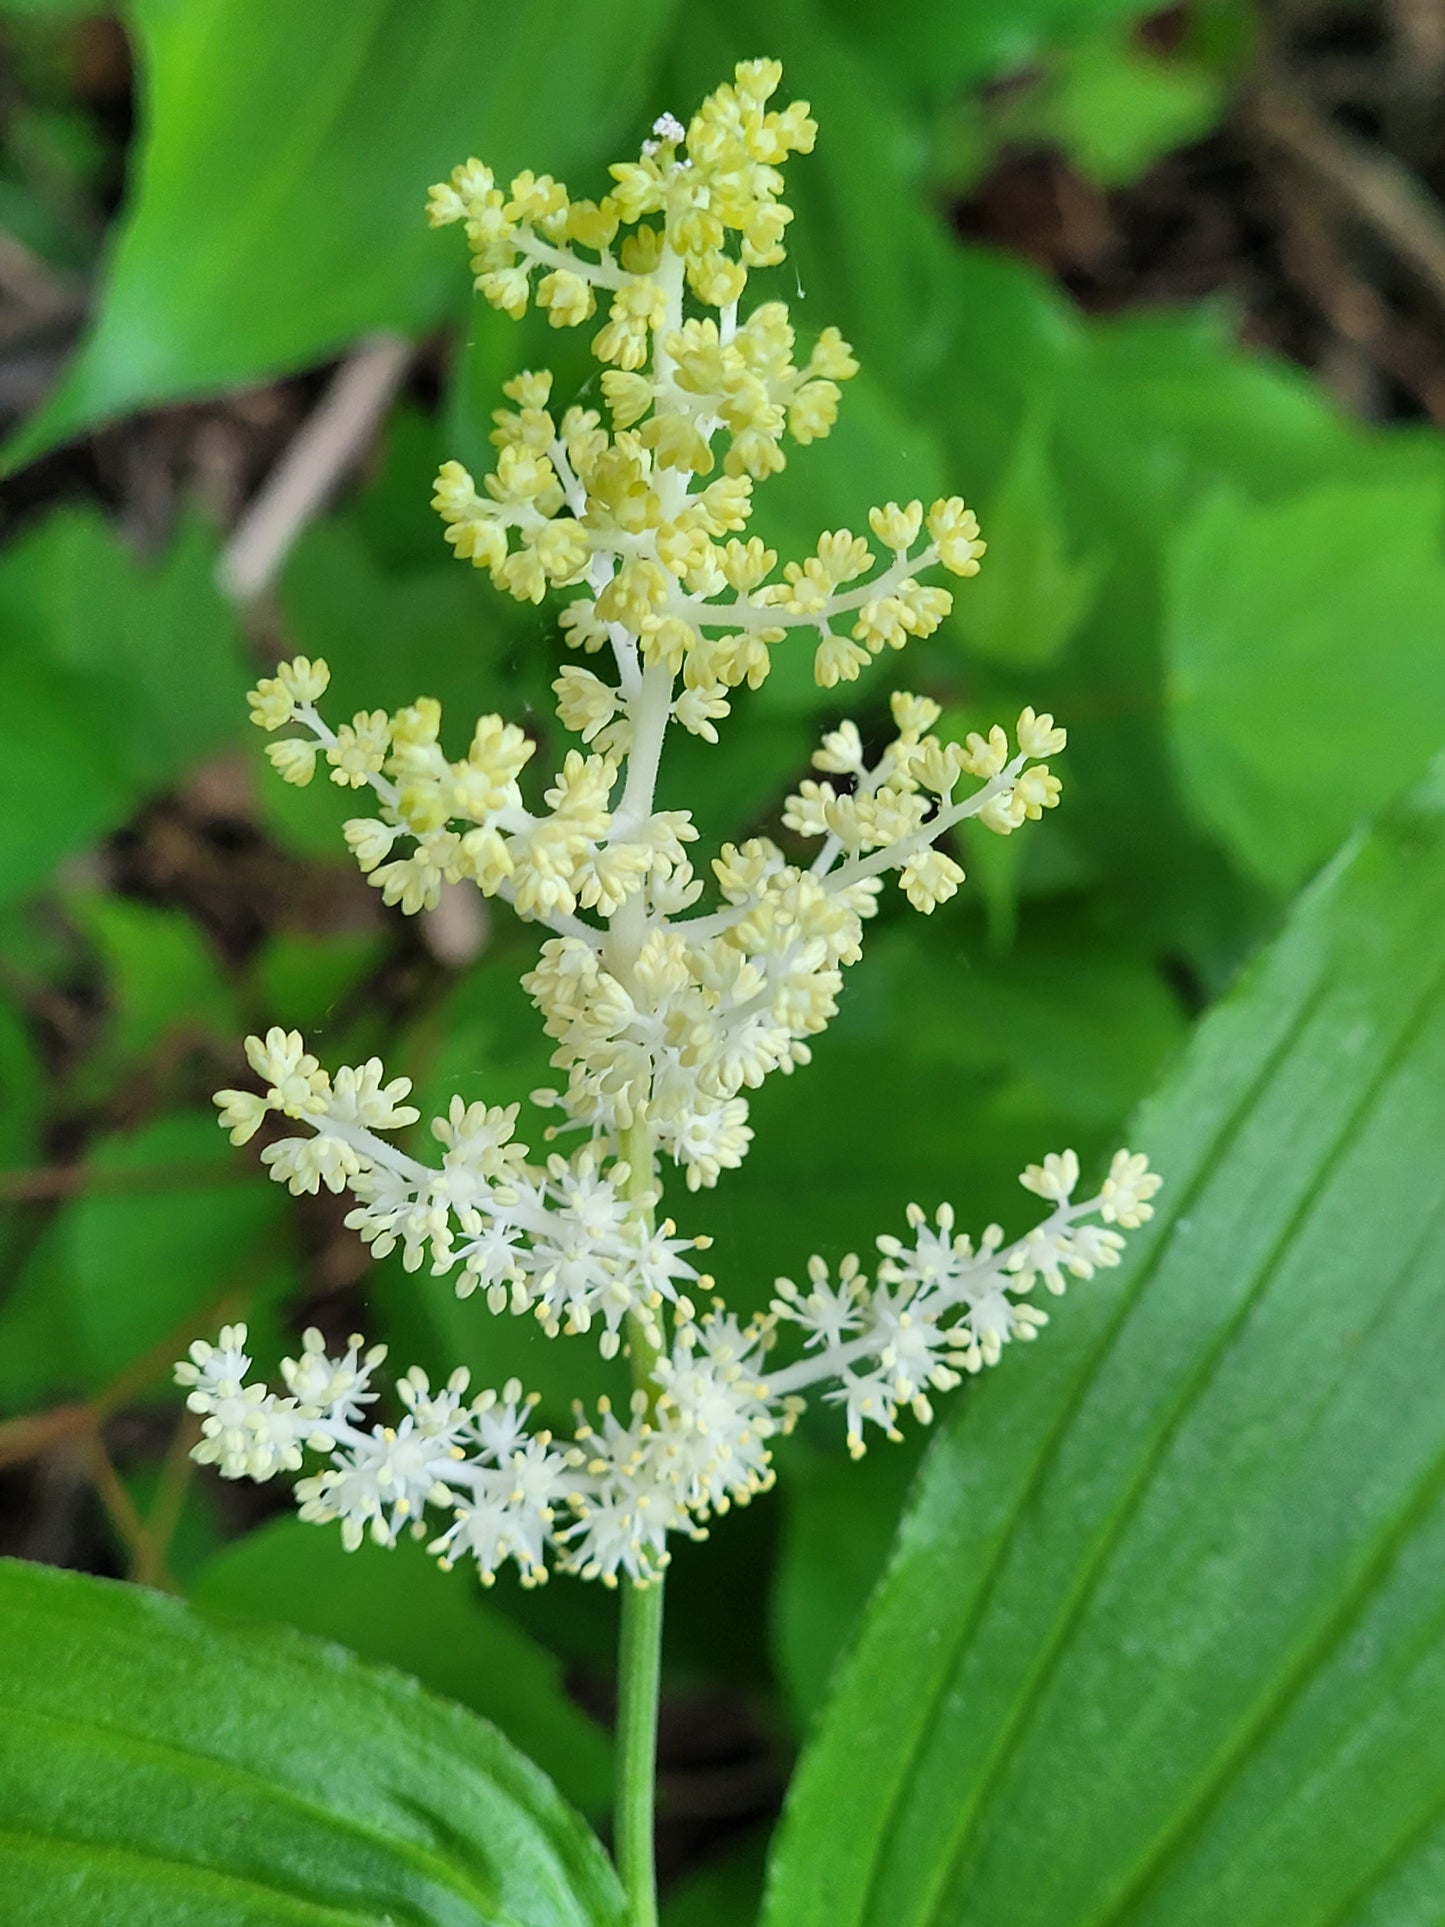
x=665, y=1010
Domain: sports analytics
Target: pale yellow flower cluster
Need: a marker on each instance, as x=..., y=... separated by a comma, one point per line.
x=665, y=1012
x=614, y=506
x=659, y=1017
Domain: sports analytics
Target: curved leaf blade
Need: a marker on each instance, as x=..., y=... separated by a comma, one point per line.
x=1162, y=1638
x=162, y=1767
x=286, y=153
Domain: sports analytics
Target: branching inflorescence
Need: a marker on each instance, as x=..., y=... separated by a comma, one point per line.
x=664, y=1014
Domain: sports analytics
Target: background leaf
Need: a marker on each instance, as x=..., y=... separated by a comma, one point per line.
x=126, y=675
x=1303, y=693
x=1027, y=603
x=277, y=209
x=168, y=1234
x=162, y=976
x=1161, y=1641
x=1115, y=109
x=163, y=1767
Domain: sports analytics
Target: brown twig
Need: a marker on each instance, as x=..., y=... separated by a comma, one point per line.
x=35, y=1432
x=1370, y=183
x=333, y=436
x=148, y=1568
x=120, y=1508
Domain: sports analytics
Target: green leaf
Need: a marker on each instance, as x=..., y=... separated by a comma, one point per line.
x=391, y=635
x=174, y=1223
x=125, y=675
x=397, y=1606
x=1115, y=109
x=162, y=975
x=936, y=52
x=277, y=213
x=1160, y=1642
x=313, y=981
x=167, y=1768
x=1033, y=591
x=1306, y=670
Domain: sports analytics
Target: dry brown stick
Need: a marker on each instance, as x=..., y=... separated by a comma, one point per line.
x=120, y=1509
x=1381, y=340
x=149, y=1565
x=332, y=437
x=43, y=291
x=1372, y=184
x=22, y=1438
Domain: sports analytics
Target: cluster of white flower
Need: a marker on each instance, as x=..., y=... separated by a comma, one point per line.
x=564, y=1241
x=664, y=1013
x=660, y=1015
x=942, y=1305
x=697, y=1437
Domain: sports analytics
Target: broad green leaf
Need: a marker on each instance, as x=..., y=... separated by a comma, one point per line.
x=125, y=674
x=174, y=1225
x=1114, y=109
x=396, y=1605
x=1150, y=416
x=1160, y=1642
x=1035, y=588
x=1305, y=684
x=314, y=981
x=934, y=53
x=164, y=1767
x=161, y=975
x=391, y=635
x=286, y=152
x=48, y=10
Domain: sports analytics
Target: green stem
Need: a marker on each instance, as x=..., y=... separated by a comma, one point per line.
x=639, y=1659
x=639, y=1671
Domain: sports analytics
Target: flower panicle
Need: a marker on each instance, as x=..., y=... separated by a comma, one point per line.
x=670, y=985
x=472, y=1477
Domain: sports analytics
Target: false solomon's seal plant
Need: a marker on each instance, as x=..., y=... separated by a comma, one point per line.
x=670, y=987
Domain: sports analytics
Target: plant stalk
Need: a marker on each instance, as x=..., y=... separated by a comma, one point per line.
x=639, y=1659
x=639, y=1672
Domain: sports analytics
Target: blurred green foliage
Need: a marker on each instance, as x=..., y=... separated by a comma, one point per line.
x=1231, y=594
